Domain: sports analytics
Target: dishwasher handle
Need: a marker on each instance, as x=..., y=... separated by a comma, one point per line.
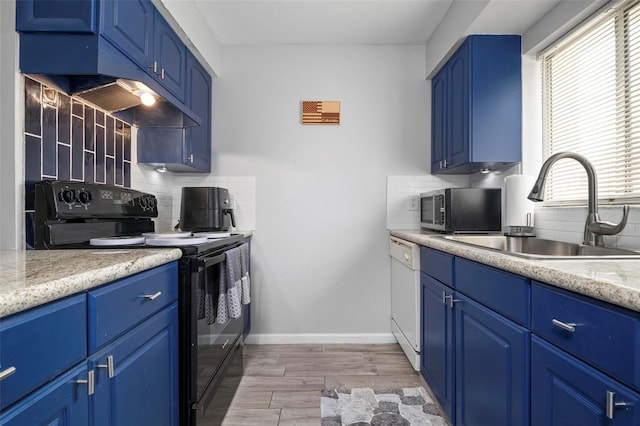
x=405, y=252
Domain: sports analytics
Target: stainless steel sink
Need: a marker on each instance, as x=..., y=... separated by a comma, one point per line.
x=538, y=248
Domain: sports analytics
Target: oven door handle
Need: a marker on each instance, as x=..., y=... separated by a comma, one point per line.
x=210, y=261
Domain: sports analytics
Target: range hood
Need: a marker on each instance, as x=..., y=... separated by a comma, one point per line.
x=89, y=67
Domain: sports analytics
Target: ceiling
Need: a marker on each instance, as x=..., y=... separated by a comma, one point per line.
x=398, y=22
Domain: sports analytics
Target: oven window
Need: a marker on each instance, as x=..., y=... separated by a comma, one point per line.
x=214, y=340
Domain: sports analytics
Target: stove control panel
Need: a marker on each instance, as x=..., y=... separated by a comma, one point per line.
x=80, y=200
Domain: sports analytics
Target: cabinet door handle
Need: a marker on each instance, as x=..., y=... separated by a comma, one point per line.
x=152, y=296
x=154, y=67
x=225, y=344
x=108, y=366
x=190, y=158
x=612, y=405
x=568, y=326
x=162, y=73
x=445, y=163
x=7, y=372
x=90, y=382
x=452, y=301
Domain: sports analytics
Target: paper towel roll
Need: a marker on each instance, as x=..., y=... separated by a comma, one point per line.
x=517, y=205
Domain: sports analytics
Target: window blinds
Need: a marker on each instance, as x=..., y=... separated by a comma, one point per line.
x=591, y=105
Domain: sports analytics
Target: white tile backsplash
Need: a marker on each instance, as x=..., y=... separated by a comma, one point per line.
x=567, y=224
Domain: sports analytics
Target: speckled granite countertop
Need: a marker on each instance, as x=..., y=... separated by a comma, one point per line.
x=34, y=277
x=614, y=281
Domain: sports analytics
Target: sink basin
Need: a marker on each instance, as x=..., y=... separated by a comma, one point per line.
x=538, y=248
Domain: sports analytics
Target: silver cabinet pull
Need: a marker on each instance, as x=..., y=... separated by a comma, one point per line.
x=154, y=67
x=108, y=366
x=225, y=343
x=612, y=405
x=6, y=373
x=452, y=301
x=190, y=158
x=444, y=298
x=152, y=296
x=90, y=382
x=162, y=73
x=568, y=326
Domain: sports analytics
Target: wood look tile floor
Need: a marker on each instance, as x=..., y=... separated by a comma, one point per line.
x=282, y=383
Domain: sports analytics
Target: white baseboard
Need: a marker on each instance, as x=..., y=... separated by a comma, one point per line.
x=291, y=339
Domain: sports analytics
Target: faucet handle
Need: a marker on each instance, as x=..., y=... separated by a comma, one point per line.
x=608, y=228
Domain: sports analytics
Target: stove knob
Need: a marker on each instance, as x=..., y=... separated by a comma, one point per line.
x=84, y=197
x=68, y=195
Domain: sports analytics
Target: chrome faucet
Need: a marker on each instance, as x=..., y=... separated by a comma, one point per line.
x=594, y=228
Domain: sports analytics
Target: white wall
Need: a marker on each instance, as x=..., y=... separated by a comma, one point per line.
x=320, y=258
x=11, y=118
x=185, y=16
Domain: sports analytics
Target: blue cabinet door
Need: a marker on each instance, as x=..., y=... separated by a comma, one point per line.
x=170, y=54
x=198, y=139
x=492, y=367
x=458, y=122
x=478, y=110
x=143, y=389
x=63, y=402
x=69, y=16
x=439, y=130
x=437, y=350
x=128, y=24
x=565, y=391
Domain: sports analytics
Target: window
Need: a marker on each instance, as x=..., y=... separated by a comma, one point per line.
x=591, y=105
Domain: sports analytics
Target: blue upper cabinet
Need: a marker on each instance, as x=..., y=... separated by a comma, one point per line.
x=183, y=150
x=198, y=139
x=138, y=29
x=128, y=24
x=169, y=62
x=56, y=15
x=134, y=27
x=476, y=106
x=439, y=128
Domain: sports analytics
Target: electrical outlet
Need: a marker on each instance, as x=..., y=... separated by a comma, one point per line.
x=412, y=204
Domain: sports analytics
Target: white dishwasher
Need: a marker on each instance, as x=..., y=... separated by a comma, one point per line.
x=405, y=297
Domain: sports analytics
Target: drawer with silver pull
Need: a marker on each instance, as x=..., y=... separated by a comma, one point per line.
x=39, y=344
x=603, y=335
x=120, y=306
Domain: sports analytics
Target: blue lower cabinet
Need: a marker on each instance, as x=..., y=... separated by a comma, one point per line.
x=63, y=402
x=492, y=365
x=475, y=356
x=137, y=375
x=437, y=356
x=54, y=376
x=566, y=391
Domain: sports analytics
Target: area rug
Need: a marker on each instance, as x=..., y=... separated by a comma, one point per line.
x=385, y=407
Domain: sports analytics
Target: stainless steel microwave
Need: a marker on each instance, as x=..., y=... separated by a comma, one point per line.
x=462, y=210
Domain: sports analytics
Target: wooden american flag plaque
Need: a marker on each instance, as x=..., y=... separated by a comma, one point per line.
x=320, y=112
